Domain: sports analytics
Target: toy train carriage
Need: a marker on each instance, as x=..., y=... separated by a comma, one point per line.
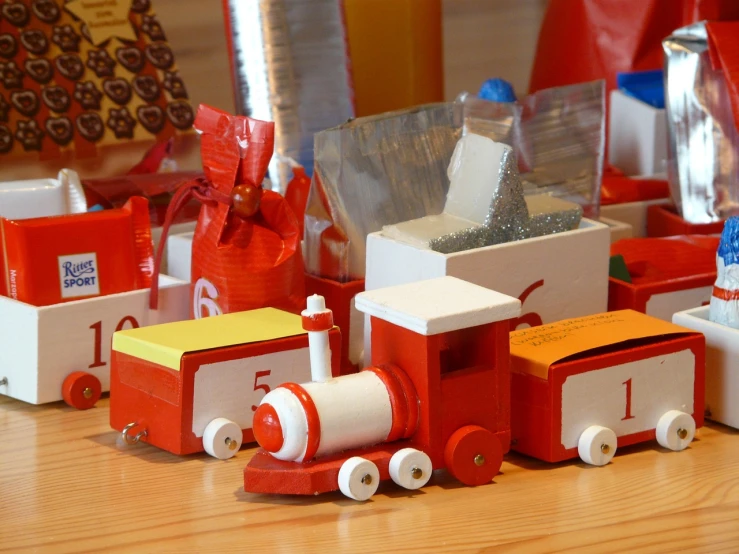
x=56, y=352
x=583, y=387
x=194, y=385
x=437, y=395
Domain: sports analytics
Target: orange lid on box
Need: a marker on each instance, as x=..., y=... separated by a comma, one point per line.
x=535, y=349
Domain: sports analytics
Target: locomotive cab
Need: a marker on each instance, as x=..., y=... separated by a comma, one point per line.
x=436, y=395
x=451, y=338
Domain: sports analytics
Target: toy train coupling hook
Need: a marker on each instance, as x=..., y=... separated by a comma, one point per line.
x=128, y=439
x=3, y=381
x=318, y=321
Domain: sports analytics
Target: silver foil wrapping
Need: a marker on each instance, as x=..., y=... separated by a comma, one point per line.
x=384, y=169
x=703, y=146
x=291, y=66
x=558, y=135
x=510, y=217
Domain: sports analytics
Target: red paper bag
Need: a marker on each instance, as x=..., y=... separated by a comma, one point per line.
x=584, y=40
x=243, y=263
x=239, y=262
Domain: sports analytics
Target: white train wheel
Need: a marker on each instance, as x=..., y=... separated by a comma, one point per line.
x=675, y=430
x=358, y=478
x=597, y=445
x=222, y=438
x=410, y=468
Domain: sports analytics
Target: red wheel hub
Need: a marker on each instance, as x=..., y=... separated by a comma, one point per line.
x=81, y=390
x=473, y=455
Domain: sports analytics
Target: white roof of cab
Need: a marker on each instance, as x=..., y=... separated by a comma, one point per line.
x=438, y=305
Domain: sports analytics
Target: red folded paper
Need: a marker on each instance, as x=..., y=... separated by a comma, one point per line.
x=617, y=188
x=583, y=40
x=246, y=249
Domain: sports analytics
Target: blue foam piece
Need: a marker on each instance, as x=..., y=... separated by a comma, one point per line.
x=728, y=248
x=647, y=86
x=96, y=208
x=497, y=90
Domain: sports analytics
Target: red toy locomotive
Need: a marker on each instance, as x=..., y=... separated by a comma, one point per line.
x=437, y=395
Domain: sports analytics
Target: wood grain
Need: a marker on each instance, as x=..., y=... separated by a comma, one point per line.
x=68, y=487
x=489, y=38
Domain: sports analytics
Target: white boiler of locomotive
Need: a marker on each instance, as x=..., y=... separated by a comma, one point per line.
x=299, y=422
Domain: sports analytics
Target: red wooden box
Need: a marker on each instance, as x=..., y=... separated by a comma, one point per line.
x=171, y=381
x=668, y=275
x=664, y=221
x=340, y=300
x=619, y=370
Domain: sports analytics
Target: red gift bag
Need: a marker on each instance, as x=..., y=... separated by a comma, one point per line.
x=240, y=262
x=584, y=40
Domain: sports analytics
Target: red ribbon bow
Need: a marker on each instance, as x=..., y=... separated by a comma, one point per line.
x=202, y=190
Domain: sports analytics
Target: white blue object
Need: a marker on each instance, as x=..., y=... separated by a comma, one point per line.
x=647, y=86
x=724, y=307
x=497, y=90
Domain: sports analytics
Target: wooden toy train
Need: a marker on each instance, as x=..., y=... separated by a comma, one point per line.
x=437, y=394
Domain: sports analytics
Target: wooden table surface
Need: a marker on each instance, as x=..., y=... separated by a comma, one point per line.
x=67, y=486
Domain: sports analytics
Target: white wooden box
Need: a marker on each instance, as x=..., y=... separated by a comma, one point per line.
x=40, y=346
x=619, y=230
x=632, y=213
x=556, y=276
x=637, y=136
x=722, y=364
x=179, y=255
x=175, y=230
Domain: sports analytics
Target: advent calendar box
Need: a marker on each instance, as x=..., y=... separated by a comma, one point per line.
x=554, y=276
x=664, y=221
x=179, y=255
x=633, y=214
x=340, y=300
x=637, y=135
x=668, y=274
x=722, y=364
x=43, y=350
x=588, y=386
x=619, y=229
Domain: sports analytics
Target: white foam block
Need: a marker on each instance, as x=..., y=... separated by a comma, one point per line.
x=474, y=174
x=419, y=232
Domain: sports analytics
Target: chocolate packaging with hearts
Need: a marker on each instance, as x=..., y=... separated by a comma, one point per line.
x=87, y=89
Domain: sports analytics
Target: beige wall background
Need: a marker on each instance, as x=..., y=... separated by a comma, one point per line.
x=482, y=39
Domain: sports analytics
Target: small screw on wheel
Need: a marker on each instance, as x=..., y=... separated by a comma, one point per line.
x=81, y=390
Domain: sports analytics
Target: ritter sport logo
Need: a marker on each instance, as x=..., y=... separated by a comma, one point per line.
x=78, y=275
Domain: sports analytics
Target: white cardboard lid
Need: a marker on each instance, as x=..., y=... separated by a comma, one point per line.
x=438, y=305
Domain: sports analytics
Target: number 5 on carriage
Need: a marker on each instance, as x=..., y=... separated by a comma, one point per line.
x=585, y=387
x=193, y=386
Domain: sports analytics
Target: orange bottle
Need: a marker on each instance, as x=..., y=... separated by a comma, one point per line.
x=396, y=53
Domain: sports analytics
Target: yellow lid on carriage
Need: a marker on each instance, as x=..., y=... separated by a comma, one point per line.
x=165, y=344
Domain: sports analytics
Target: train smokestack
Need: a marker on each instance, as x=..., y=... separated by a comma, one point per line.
x=318, y=320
